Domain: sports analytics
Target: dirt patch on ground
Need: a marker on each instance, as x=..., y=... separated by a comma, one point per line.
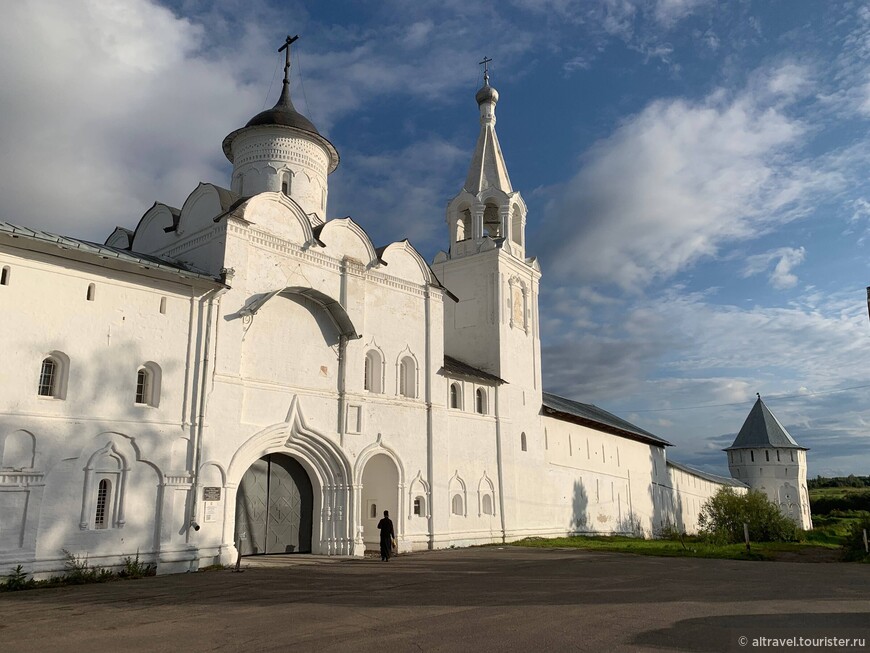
x=810, y=554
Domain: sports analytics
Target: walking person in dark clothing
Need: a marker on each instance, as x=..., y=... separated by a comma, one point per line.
x=387, y=536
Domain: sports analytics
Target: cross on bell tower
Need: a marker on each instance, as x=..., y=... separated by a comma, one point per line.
x=485, y=63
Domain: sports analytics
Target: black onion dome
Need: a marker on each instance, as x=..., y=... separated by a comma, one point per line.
x=284, y=114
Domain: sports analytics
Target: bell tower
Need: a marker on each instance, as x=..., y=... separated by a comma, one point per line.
x=494, y=326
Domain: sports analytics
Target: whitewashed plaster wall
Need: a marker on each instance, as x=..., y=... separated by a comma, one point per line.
x=106, y=340
x=781, y=474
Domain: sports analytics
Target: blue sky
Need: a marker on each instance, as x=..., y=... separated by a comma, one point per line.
x=696, y=172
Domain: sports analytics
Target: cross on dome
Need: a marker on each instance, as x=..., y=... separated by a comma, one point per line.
x=286, y=50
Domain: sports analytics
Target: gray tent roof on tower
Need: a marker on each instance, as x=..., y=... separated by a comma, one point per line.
x=762, y=430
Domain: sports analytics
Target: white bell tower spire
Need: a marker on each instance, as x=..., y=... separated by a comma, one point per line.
x=488, y=211
x=494, y=326
x=488, y=169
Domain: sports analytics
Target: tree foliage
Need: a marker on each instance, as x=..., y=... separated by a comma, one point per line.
x=838, y=481
x=723, y=515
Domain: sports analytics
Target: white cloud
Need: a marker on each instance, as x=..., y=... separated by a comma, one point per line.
x=680, y=179
x=384, y=194
x=678, y=350
x=787, y=258
x=107, y=107
x=669, y=12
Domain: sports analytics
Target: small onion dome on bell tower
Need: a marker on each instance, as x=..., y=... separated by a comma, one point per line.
x=280, y=150
x=486, y=93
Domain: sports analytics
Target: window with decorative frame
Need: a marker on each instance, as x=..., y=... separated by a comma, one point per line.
x=105, y=479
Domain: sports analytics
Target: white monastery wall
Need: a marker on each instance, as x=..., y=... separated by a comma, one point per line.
x=94, y=423
x=279, y=333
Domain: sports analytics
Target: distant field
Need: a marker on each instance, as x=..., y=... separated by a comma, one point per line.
x=827, y=492
x=692, y=547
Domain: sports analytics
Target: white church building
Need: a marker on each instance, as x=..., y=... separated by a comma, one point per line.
x=244, y=375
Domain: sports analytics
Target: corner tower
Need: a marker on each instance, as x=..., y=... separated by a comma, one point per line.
x=280, y=150
x=766, y=458
x=494, y=326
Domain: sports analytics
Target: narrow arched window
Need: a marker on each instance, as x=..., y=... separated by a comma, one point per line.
x=373, y=380
x=517, y=226
x=752, y=456
x=287, y=184
x=163, y=305
x=487, y=504
x=148, y=385
x=463, y=225
x=48, y=378
x=4, y=276
x=457, y=505
x=420, y=506
x=454, y=395
x=374, y=511
x=143, y=386
x=523, y=443
x=408, y=377
x=777, y=456
x=480, y=401
x=92, y=290
x=367, y=380
x=100, y=517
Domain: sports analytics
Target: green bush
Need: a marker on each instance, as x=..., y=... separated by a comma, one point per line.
x=855, y=540
x=723, y=515
x=17, y=580
x=847, y=502
x=135, y=569
x=77, y=571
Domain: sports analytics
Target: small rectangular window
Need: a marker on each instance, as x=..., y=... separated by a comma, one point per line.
x=417, y=507
x=4, y=276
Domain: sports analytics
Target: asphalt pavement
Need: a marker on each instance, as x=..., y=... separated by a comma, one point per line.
x=480, y=599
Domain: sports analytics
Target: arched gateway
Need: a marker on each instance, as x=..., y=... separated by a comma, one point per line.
x=292, y=492
x=274, y=507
